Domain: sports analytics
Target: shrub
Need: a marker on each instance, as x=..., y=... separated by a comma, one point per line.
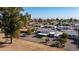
x=56, y=44
x=45, y=38
x=60, y=43
x=64, y=35
x=64, y=38
x=33, y=29
x=29, y=32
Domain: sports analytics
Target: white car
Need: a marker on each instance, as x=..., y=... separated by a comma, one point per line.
x=22, y=34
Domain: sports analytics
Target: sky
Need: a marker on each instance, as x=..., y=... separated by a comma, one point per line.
x=53, y=12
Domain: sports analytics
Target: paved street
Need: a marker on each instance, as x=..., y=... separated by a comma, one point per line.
x=71, y=46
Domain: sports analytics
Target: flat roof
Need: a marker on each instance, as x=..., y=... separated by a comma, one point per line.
x=23, y=29
x=42, y=34
x=71, y=32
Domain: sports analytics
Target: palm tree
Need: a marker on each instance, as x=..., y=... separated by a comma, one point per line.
x=11, y=22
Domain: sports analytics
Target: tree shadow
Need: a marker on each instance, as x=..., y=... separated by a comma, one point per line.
x=45, y=43
x=74, y=42
x=2, y=44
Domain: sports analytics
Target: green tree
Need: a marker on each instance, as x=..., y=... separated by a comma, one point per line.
x=61, y=42
x=23, y=19
x=64, y=38
x=11, y=22
x=40, y=20
x=28, y=17
x=71, y=21
x=29, y=31
x=60, y=22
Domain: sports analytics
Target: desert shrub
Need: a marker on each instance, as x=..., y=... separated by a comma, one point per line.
x=56, y=44
x=64, y=35
x=33, y=29
x=29, y=31
x=60, y=43
x=45, y=38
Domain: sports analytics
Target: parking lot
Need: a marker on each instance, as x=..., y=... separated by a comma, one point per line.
x=69, y=46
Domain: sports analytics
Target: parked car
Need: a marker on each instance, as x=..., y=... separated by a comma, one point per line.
x=22, y=34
